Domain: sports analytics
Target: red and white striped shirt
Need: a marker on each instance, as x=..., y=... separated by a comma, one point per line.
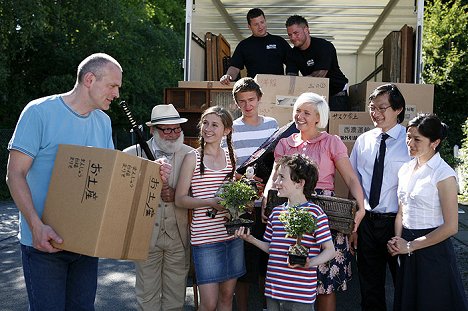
x=283, y=282
x=204, y=229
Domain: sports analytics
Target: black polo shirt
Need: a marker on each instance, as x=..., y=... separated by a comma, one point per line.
x=261, y=55
x=320, y=55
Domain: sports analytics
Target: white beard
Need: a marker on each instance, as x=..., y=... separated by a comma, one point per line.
x=168, y=146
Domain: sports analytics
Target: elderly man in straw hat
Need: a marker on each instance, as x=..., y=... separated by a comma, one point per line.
x=162, y=278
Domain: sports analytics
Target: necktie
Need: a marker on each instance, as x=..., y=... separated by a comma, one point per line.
x=377, y=174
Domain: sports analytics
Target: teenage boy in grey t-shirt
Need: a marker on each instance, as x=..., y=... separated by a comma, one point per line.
x=249, y=132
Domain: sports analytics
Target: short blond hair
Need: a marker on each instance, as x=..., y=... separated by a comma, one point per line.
x=321, y=106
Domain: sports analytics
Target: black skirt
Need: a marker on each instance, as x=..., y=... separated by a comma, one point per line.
x=429, y=279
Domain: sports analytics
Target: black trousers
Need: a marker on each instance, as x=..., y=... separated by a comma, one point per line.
x=372, y=260
x=339, y=102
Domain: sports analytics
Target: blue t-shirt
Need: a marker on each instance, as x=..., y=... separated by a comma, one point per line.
x=43, y=125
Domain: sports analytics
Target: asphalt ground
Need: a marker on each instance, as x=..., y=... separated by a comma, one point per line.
x=116, y=279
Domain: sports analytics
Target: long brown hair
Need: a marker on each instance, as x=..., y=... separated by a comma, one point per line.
x=226, y=119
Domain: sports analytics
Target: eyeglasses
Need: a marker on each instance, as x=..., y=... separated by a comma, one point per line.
x=176, y=130
x=381, y=109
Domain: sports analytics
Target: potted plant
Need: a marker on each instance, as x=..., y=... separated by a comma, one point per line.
x=297, y=222
x=238, y=197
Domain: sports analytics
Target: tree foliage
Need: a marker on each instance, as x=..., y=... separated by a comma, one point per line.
x=445, y=46
x=42, y=42
x=463, y=168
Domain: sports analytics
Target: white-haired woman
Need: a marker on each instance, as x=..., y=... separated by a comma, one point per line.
x=310, y=114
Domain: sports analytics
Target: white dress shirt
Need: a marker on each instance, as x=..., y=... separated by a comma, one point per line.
x=363, y=157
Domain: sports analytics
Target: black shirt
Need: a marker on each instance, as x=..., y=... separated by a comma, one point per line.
x=261, y=55
x=320, y=55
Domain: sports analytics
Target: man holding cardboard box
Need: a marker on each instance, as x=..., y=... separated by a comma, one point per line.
x=316, y=57
x=262, y=52
x=162, y=278
x=56, y=279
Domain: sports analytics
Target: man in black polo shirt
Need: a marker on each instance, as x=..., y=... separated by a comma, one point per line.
x=316, y=57
x=260, y=53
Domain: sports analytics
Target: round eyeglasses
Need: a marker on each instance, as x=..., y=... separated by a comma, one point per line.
x=176, y=130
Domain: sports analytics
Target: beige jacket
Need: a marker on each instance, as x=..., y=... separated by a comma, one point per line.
x=181, y=214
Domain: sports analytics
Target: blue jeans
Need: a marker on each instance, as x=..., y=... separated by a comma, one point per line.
x=59, y=281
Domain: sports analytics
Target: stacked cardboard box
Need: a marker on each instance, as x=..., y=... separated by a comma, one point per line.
x=418, y=97
x=350, y=124
x=281, y=92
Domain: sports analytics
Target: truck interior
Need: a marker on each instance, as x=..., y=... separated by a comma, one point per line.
x=357, y=29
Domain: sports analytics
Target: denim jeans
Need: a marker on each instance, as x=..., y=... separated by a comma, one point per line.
x=59, y=281
x=218, y=262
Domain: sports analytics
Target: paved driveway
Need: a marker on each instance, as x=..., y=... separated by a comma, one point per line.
x=117, y=277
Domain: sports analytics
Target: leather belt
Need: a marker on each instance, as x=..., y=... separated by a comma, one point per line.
x=379, y=216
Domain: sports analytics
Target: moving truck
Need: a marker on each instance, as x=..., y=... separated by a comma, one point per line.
x=357, y=29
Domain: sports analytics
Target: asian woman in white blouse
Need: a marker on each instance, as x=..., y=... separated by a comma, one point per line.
x=427, y=275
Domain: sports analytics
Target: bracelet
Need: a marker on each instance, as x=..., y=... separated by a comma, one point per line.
x=408, y=247
x=229, y=76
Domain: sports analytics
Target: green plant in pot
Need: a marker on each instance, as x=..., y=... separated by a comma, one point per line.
x=297, y=222
x=238, y=197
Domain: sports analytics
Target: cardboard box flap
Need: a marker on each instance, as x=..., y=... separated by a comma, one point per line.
x=145, y=207
x=123, y=186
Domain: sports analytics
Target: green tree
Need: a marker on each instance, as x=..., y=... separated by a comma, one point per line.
x=463, y=167
x=42, y=42
x=445, y=46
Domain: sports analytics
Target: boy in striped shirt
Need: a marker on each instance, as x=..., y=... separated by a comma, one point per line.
x=251, y=129
x=293, y=286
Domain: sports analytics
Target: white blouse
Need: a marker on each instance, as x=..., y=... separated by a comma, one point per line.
x=418, y=194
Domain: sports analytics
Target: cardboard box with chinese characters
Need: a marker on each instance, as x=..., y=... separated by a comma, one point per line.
x=348, y=125
x=103, y=202
x=419, y=98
